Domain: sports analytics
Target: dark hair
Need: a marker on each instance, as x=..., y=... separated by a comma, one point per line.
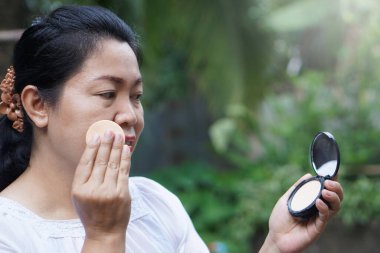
x=48, y=53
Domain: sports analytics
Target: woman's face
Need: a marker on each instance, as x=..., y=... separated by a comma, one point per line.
x=108, y=86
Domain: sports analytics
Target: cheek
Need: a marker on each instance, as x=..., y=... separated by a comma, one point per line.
x=71, y=142
x=76, y=148
x=141, y=119
x=140, y=122
x=67, y=132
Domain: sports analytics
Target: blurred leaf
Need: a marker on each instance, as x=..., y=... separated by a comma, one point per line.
x=298, y=15
x=221, y=132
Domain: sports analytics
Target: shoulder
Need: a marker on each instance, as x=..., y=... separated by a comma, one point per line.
x=155, y=195
x=170, y=213
x=12, y=220
x=158, y=210
x=149, y=186
x=163, y=206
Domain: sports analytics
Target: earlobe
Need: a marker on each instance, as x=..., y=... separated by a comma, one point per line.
x=34, y=106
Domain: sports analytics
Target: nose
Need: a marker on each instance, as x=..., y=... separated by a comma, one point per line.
x=126, y=114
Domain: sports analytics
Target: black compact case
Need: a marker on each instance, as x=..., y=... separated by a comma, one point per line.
x=325, y=160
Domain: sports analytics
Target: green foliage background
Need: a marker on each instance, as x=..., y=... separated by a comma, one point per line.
x=274, y=73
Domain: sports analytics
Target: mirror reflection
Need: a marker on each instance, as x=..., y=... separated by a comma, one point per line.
x=325, y=155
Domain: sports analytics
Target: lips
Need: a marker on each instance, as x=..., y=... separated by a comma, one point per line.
x=130, y=141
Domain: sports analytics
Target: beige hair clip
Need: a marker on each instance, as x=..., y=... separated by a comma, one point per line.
x=10, y=104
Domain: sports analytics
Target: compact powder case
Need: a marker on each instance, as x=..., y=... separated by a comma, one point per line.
x=325, y=160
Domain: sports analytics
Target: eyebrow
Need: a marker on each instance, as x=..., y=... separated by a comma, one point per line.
x=118, y=80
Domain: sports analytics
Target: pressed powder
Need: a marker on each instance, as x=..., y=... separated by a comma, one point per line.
x=306, y=195
x=100, y=127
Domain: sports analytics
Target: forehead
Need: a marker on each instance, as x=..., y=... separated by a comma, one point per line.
x=112, y=57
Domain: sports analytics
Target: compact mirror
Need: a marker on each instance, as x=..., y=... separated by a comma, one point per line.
x=325, y=159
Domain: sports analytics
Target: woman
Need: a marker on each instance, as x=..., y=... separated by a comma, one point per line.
x=60, y=193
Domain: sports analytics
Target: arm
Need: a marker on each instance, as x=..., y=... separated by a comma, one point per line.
x=290, y=235
x=106, y=243
x=101, y=195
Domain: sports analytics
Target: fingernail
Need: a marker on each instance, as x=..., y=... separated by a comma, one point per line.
x=126, y=151
x=94, y=139
x=108, y=135
x=330, y=183
x=118, y=138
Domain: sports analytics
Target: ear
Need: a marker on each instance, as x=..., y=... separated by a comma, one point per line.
x=34, y=106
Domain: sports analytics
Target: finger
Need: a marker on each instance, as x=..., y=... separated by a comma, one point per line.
x=125, y=164
x=323, y=215
x=304, y=177
x=86, y=162
x=102, y=158
x=114, y=161
x=334, y=187
x=332, y=199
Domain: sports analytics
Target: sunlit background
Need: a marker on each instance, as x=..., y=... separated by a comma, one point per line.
x=235, y=92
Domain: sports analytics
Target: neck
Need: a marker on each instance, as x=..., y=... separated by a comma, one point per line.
x=47, y=182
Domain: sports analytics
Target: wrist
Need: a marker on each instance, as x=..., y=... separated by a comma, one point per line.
x=104, y=242
x=106, y=237
x=269, y=246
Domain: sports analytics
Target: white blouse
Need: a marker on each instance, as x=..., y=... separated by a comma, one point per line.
x=158, y=224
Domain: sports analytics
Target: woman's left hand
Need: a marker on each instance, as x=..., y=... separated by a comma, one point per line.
x=289, y=234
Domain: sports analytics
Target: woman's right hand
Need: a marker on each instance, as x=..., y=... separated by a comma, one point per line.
x=100, y=192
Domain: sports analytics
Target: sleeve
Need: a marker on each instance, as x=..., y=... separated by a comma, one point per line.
x=171, y=211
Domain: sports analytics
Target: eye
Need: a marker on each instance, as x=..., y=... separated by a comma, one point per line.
x=137, y=97
x=108, y=95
